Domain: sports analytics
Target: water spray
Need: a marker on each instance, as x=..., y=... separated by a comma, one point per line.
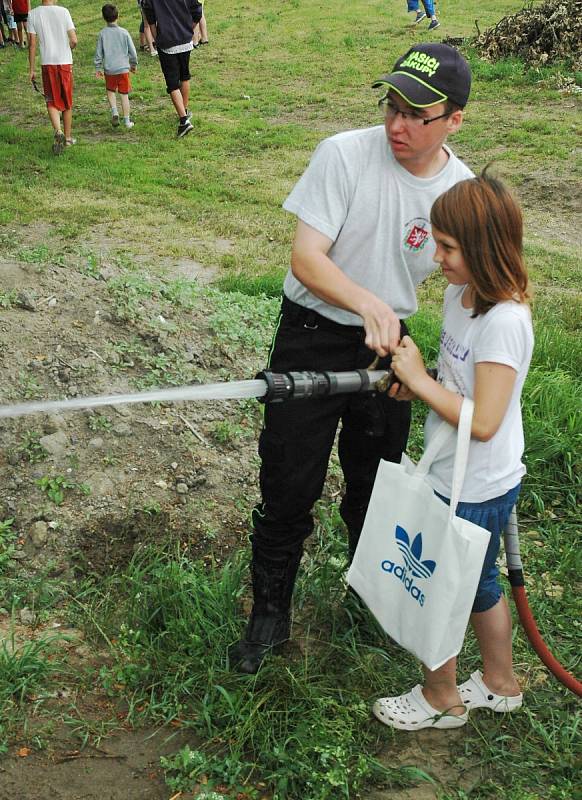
x=267, y=387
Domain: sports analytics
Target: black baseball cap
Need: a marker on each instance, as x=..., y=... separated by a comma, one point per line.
x=429, y=74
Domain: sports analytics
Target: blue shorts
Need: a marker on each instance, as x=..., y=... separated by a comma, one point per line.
x=493, y=516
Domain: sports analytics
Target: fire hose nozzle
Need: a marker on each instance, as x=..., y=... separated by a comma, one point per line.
x=305, y=385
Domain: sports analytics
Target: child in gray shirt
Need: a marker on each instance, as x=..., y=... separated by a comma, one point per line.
x=116, y=57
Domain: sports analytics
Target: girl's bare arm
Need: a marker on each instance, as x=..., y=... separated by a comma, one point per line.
x=493, y=388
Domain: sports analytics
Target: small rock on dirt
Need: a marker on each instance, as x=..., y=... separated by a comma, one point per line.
x=122, y=429
x=26, y=616
x=26, y=300
x=122, y=410
x=55, y=443
x=38, y=534
x=100, y=484
x=54, y=423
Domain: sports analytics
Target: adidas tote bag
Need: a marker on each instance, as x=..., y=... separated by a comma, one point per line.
x=417, y=565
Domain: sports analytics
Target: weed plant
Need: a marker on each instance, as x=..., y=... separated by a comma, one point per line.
x=8, y=538
x=30, y=448
x=57, y=486
x=24, y=673
x=8, y=299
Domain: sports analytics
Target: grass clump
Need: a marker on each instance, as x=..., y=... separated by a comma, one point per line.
x=238, y=321
x=8, y=537
x=24, y=672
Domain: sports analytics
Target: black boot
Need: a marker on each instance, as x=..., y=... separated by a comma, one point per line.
x=353, y=539
x=270, y=621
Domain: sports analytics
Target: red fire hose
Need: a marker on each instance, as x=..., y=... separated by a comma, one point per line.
x=516, y=579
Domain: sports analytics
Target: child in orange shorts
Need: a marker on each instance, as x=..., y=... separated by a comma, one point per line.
x=53, y=28
x=116, y=57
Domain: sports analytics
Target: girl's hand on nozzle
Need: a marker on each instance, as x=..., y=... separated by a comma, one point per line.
x=98, y=74
x=399, y=391
x=407, y=363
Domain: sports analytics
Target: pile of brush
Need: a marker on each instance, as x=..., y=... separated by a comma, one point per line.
x=538, y=35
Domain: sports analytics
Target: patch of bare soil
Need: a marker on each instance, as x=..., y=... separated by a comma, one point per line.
x=124, y=767
x=63, y=339
x=436, y=753
x=79, y=747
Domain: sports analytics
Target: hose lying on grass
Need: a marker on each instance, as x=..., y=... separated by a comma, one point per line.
x=516, y=579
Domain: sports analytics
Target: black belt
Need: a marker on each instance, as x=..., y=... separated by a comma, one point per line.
x=310, y=319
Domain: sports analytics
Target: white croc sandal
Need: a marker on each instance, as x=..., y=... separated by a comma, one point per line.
x=411, y=712
x=475, y=694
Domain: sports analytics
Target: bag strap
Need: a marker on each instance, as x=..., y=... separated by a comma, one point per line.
x=461, y=453
x=443, y=433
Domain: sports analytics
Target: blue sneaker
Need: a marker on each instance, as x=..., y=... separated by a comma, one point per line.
x=434, y=23
x=420, y=15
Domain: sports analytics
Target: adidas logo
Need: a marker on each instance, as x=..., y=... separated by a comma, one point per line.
x=412, y=554
x=414, y=566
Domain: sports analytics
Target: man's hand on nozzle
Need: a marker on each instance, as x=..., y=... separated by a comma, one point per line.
x=382, y=326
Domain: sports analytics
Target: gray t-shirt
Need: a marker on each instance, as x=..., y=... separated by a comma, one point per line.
x=376, y=213
x=115, y=51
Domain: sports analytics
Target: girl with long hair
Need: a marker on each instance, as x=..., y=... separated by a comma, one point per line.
x=485, y=350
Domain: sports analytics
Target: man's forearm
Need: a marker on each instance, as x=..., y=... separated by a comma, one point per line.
x=312, y=266
x=318, y=273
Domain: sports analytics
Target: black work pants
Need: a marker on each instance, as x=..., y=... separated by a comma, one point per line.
x=297, y=438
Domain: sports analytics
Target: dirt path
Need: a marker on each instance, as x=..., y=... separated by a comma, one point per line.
x=125, y=766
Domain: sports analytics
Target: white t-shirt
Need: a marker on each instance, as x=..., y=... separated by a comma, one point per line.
x=503, y=335
x=51, y=24
x=178, y=48
x=376, y=213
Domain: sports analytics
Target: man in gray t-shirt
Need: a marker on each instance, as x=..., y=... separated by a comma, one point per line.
x=362, y=246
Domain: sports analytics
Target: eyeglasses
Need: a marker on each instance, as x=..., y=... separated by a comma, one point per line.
x=412, y=118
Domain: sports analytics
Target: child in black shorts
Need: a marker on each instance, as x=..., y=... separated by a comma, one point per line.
x=175, y=21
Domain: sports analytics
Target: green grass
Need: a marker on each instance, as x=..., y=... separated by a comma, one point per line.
x=270, y=85
x=274, y=81
x=25, y=670
x=302, y=725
